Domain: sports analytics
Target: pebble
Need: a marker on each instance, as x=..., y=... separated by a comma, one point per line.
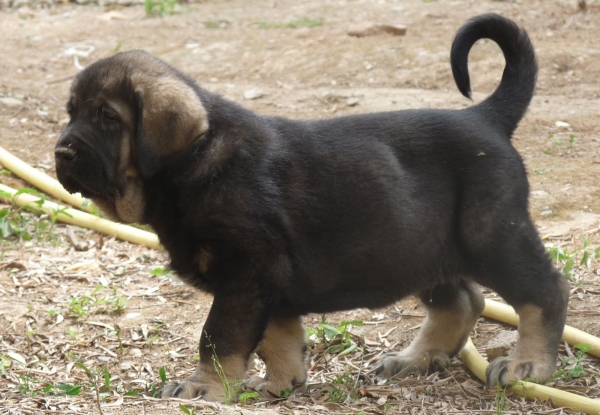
x=10, y=102
x=253, y=94
x=352, y=102
x=501, y=345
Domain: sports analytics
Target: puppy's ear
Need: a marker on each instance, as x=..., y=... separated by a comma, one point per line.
x=170, y=118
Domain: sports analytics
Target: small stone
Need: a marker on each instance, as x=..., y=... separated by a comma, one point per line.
x=352, y=102
x=253, y=94
x=125, y=366
x=539, y=193
x=11, y=102
x=562, y=124
x=501, y=345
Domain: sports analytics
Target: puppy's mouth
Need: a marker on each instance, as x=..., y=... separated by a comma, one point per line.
x=88, y=188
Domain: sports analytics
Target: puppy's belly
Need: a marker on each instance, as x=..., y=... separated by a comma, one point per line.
x=340, y=301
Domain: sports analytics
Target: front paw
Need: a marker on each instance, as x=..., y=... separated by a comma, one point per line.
x=405, y=362
x=275, y=389
x=504, y=370
x=191, y=390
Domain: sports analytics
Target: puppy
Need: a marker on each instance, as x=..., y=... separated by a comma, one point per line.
x=278, y=218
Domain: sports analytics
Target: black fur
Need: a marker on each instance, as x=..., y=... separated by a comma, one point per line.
x=359, y=211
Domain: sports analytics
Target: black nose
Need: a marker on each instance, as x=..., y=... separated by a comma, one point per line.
x=64, y=154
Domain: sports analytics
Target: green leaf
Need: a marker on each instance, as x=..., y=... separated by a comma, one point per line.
x=568, y=268
x=285, y=393
x=85, y=369
x=585, y=259
x=583, y=347
x=163, y=375
x=330, y=332
x=132, y=393
x=185, y=409
x=106, y=379
x=247, y=395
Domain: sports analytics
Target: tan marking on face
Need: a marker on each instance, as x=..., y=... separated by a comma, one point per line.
x=283, y=351
x=130, y=206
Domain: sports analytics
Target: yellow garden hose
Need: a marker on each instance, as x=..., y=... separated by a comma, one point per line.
x=79, y=218
x=478, y=365
x=42, y=181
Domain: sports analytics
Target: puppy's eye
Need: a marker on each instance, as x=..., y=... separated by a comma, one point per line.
x=109, y=113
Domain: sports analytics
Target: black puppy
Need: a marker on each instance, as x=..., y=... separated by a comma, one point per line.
x=278, y=218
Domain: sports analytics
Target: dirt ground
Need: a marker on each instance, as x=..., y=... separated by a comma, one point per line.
x=114, y=310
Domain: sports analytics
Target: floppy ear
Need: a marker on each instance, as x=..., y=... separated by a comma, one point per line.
x=170, y=118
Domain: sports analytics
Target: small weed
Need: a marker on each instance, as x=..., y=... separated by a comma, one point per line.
x=294, y=24
x=160, y=271
x=566, y=260
x=232, y=388
x=186, y=410
x=576, y=368
x=79, y=306
x=5, y=363
x=72, y=332
x=63, y=389
x=163, y=8
x=338, y=338
x=153, y=390
x=247, y=395
x=26, y=385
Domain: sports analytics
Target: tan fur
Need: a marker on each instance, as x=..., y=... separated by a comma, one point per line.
x=282, y=349
x=130, y=206
x=204, y=260
x=206, y=383
x=168, y=95
x=442, y=335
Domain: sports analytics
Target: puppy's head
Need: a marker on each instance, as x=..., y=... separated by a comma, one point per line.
x=131, y=114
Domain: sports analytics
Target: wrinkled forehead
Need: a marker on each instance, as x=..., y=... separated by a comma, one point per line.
x=114, y=77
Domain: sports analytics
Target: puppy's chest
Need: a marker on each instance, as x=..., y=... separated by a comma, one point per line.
x=194, y=267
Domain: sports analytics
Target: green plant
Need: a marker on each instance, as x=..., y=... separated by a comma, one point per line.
x=565, y=260
x=160, y=271
x=576, y=368
x=247, y=395
x=162, y=7
x=79, y=306
x=153, y=390
x=26, y=385
x=233, y=387
x=501, y=399
x=63, y=389
x=186, y=410
x=338, y=338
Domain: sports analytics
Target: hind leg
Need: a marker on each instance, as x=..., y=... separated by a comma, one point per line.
x=452, y=310
x=510, y=258
x=526, y=279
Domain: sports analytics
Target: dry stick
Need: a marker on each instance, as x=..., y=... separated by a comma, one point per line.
x=76, y=217
x=478, y=365
x=42, y=181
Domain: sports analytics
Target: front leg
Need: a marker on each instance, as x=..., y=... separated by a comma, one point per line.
x=234, y=327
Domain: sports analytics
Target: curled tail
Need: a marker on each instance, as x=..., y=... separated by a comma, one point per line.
x=507, y=105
